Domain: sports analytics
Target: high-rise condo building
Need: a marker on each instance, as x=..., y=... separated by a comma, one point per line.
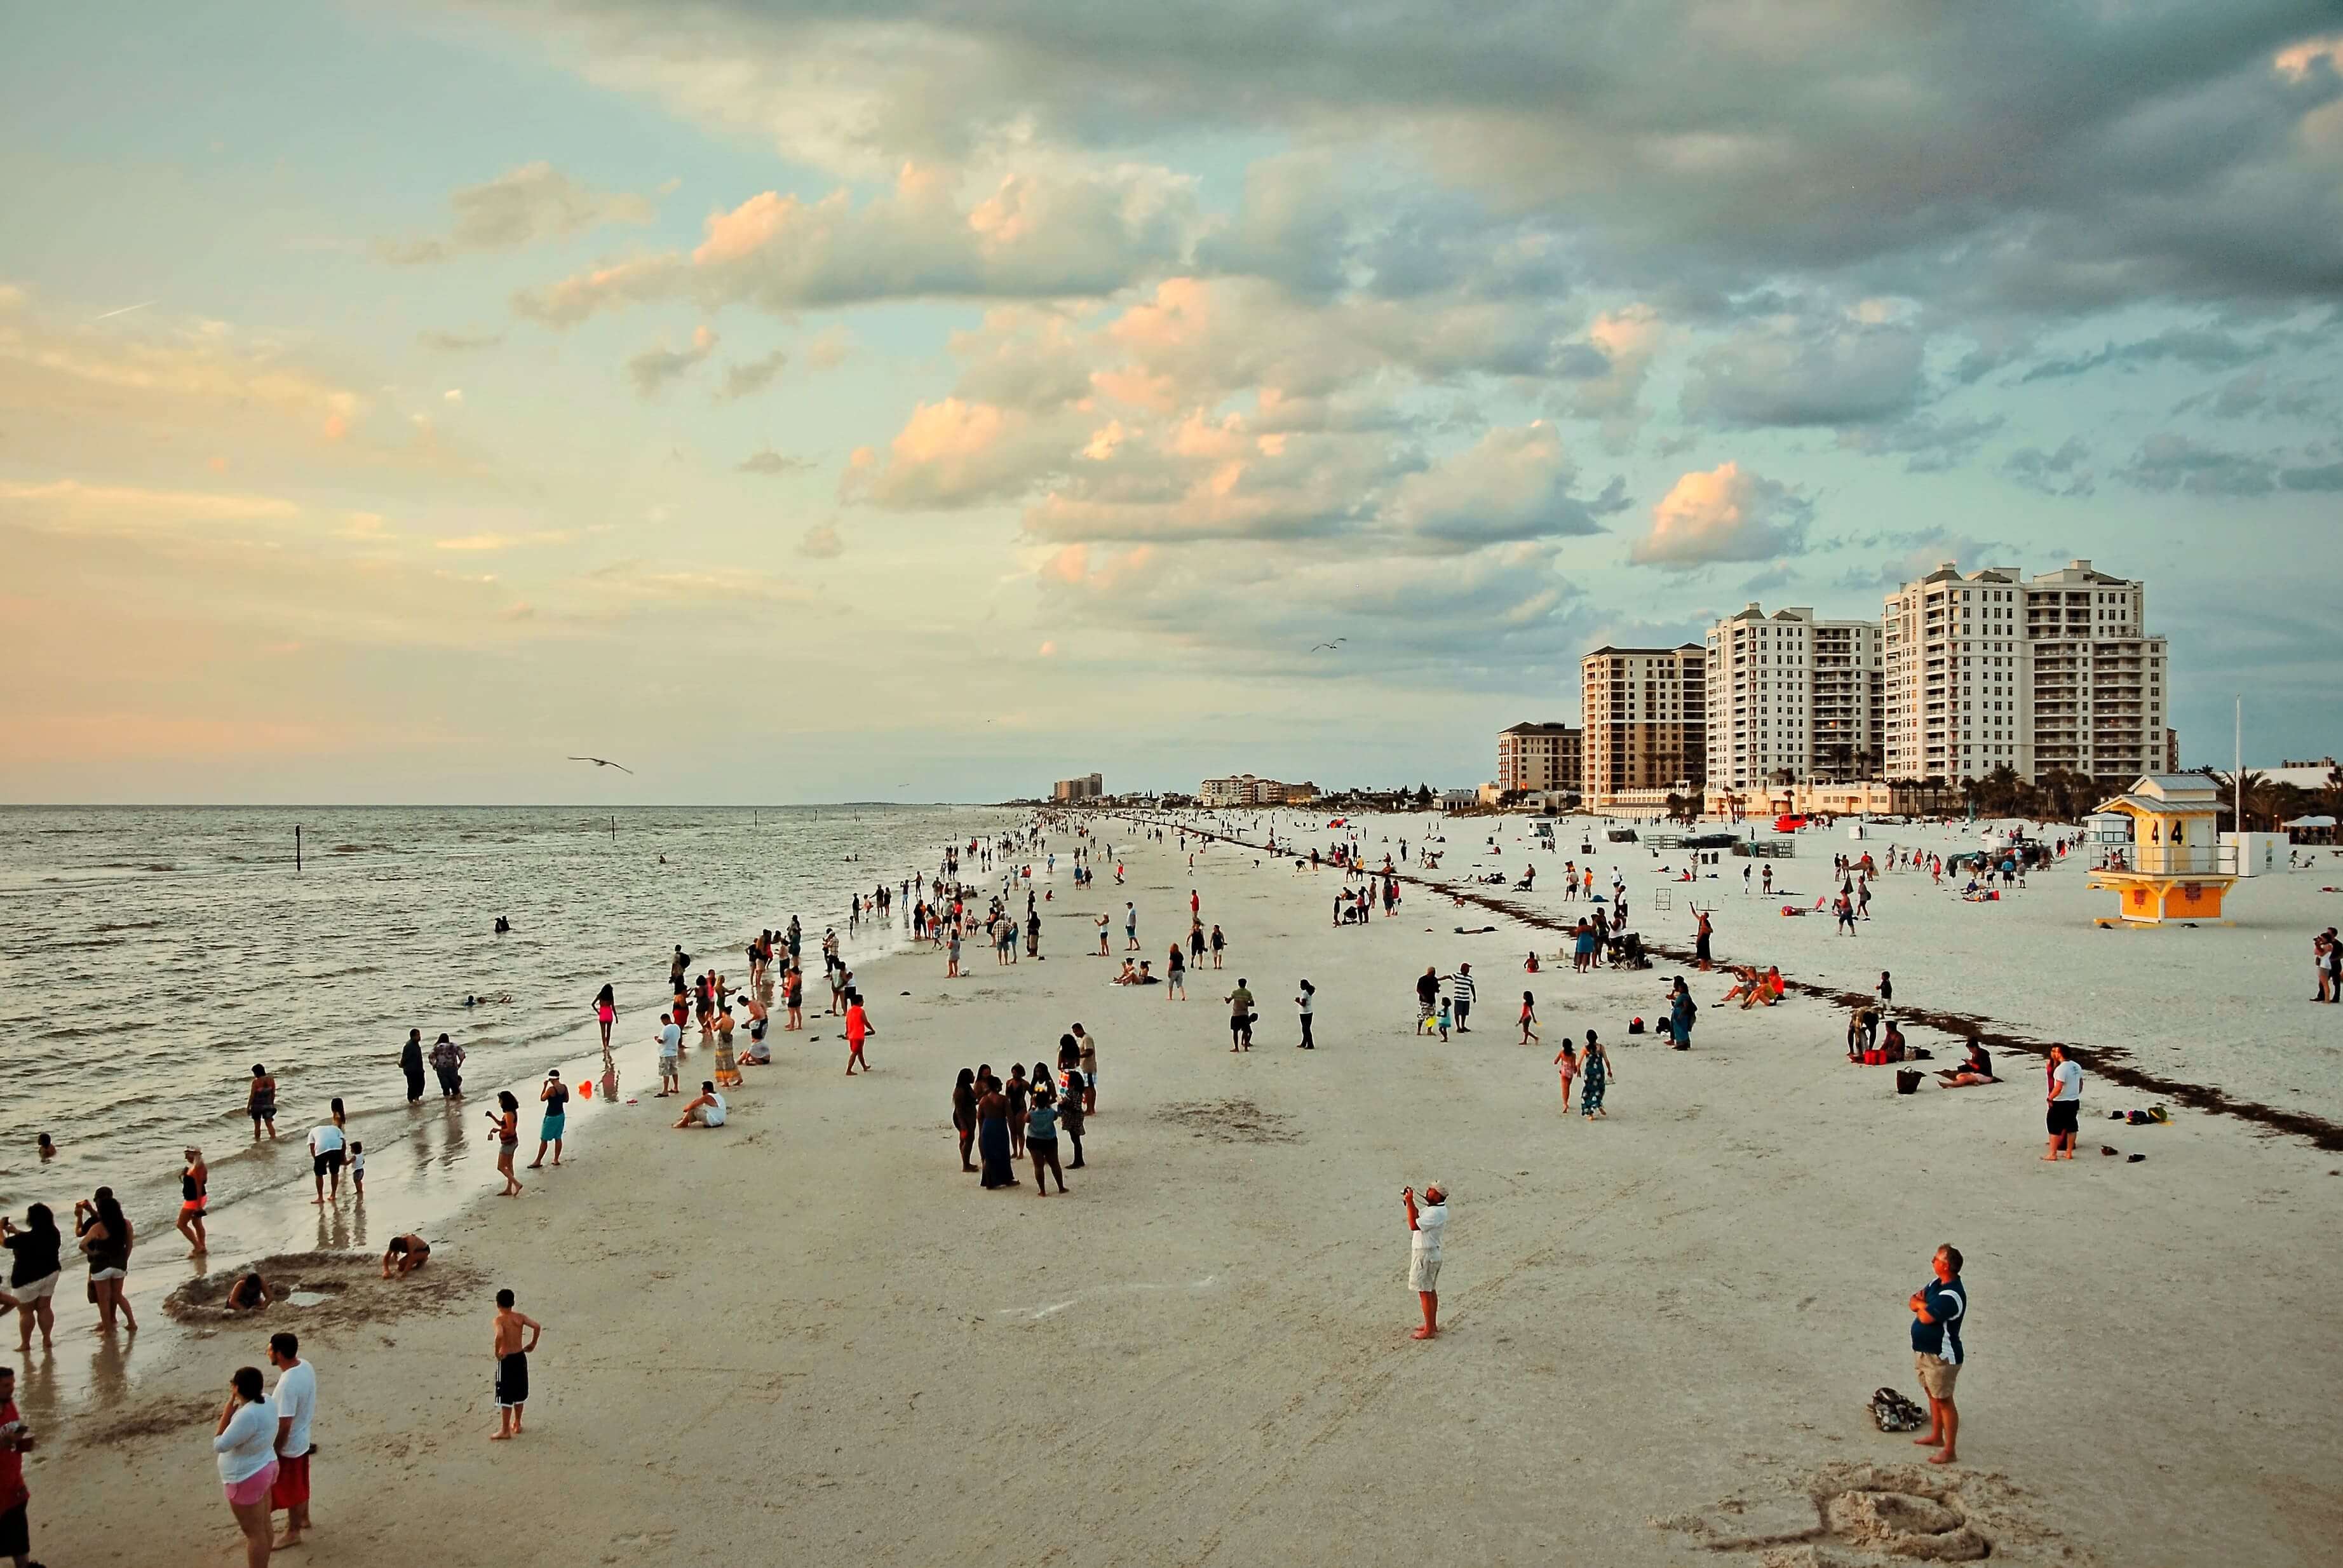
x=2035, y=674
x=1645, y=712
x=1794, y=699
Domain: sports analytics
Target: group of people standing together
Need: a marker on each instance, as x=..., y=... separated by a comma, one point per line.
x=1021, y=1117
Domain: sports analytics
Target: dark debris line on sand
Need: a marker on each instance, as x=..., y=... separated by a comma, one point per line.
x=2108, y=1062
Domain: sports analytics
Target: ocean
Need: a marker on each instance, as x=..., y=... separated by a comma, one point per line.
x=153, y=954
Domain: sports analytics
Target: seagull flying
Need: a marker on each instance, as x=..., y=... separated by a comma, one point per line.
x=603, y=762
x=1334, y=647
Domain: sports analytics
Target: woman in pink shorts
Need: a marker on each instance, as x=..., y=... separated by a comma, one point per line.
x=246, y=1443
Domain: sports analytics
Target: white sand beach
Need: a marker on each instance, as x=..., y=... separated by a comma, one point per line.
x=808, y=1337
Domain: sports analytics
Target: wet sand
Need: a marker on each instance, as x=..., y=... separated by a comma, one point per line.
x=809, y=1335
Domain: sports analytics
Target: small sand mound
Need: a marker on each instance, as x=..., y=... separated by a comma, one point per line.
x=1846, y=1514
x=1904, y=1525
x=153, y=1419
x=321, y=1290
x=1231, y=1122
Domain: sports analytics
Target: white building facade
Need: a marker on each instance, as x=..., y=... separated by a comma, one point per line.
x=1791, y=696
x=1996, y=669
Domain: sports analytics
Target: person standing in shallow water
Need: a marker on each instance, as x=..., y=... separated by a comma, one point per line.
x=447, y=1062
x=410, y=1062
x=260, y=1103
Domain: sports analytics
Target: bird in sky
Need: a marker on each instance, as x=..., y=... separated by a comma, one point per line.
x=604, y=762
x=1334, y=647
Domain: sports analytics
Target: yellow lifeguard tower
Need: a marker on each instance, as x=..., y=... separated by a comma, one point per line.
x=2175, y=867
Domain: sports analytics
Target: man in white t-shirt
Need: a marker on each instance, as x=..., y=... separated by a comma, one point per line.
x=326, y=1156
x=2066, y=1097
x=671, y=1059
x=295, y=1399
x=1426, y=1223
x=708, y=1111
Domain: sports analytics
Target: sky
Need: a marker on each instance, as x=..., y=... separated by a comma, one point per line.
x=920, y=401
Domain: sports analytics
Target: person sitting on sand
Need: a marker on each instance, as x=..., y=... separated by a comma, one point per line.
x=1145, y=978
x=1978, y=1068
x=1129, y=975
x=1745, y=985
x=708, y=1111
x=406, y=1254
x=248, y=1294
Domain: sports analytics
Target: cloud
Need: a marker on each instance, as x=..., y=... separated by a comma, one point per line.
x=752, y=375
x=1927, y=445
x=459, y=342
x=653, y=368
x=765, y=461
x=2322, y=477
x=2058, y=473
x=490, y=544
x=1604, y=378
x=532, y=203
x=634, y=584
x=1723, y=515
x=2198, y=348
x=1514, y=483
x=75, y=506
x=1801, y=372
x=953, y=454
x=175, y=377
x=1028, y=236
x=821, y=543
x=2163, y=153
x=2255, y=394
x=2169, y=461
x=830, y=347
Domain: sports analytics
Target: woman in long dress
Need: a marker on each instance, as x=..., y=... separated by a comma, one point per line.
x=992, y=1138
x=1594, y=1078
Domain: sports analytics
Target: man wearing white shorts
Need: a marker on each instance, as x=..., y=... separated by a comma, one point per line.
x=1426, y=1224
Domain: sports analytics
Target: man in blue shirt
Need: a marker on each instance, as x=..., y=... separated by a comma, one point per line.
x=1939, y=1308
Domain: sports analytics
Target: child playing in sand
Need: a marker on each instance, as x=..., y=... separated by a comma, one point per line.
x=1443, y=1018
x=406, y=1254
x=357, y=1169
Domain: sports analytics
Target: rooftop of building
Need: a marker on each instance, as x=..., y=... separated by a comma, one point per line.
x=1526, y=727
x=1609, y=650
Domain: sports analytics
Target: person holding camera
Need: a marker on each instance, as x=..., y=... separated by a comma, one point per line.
x=1427, y=1222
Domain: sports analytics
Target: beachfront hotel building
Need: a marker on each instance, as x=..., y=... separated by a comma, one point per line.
x=1995, y=669
x=1244, y=790
x=1643, y=714
x=1535, y=757
x=1091, y=787
x=1792, y=700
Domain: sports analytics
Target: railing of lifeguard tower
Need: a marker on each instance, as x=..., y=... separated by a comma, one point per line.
x=2167, y=860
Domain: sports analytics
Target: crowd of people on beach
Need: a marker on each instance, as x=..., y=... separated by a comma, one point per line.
x=1033, y=1114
